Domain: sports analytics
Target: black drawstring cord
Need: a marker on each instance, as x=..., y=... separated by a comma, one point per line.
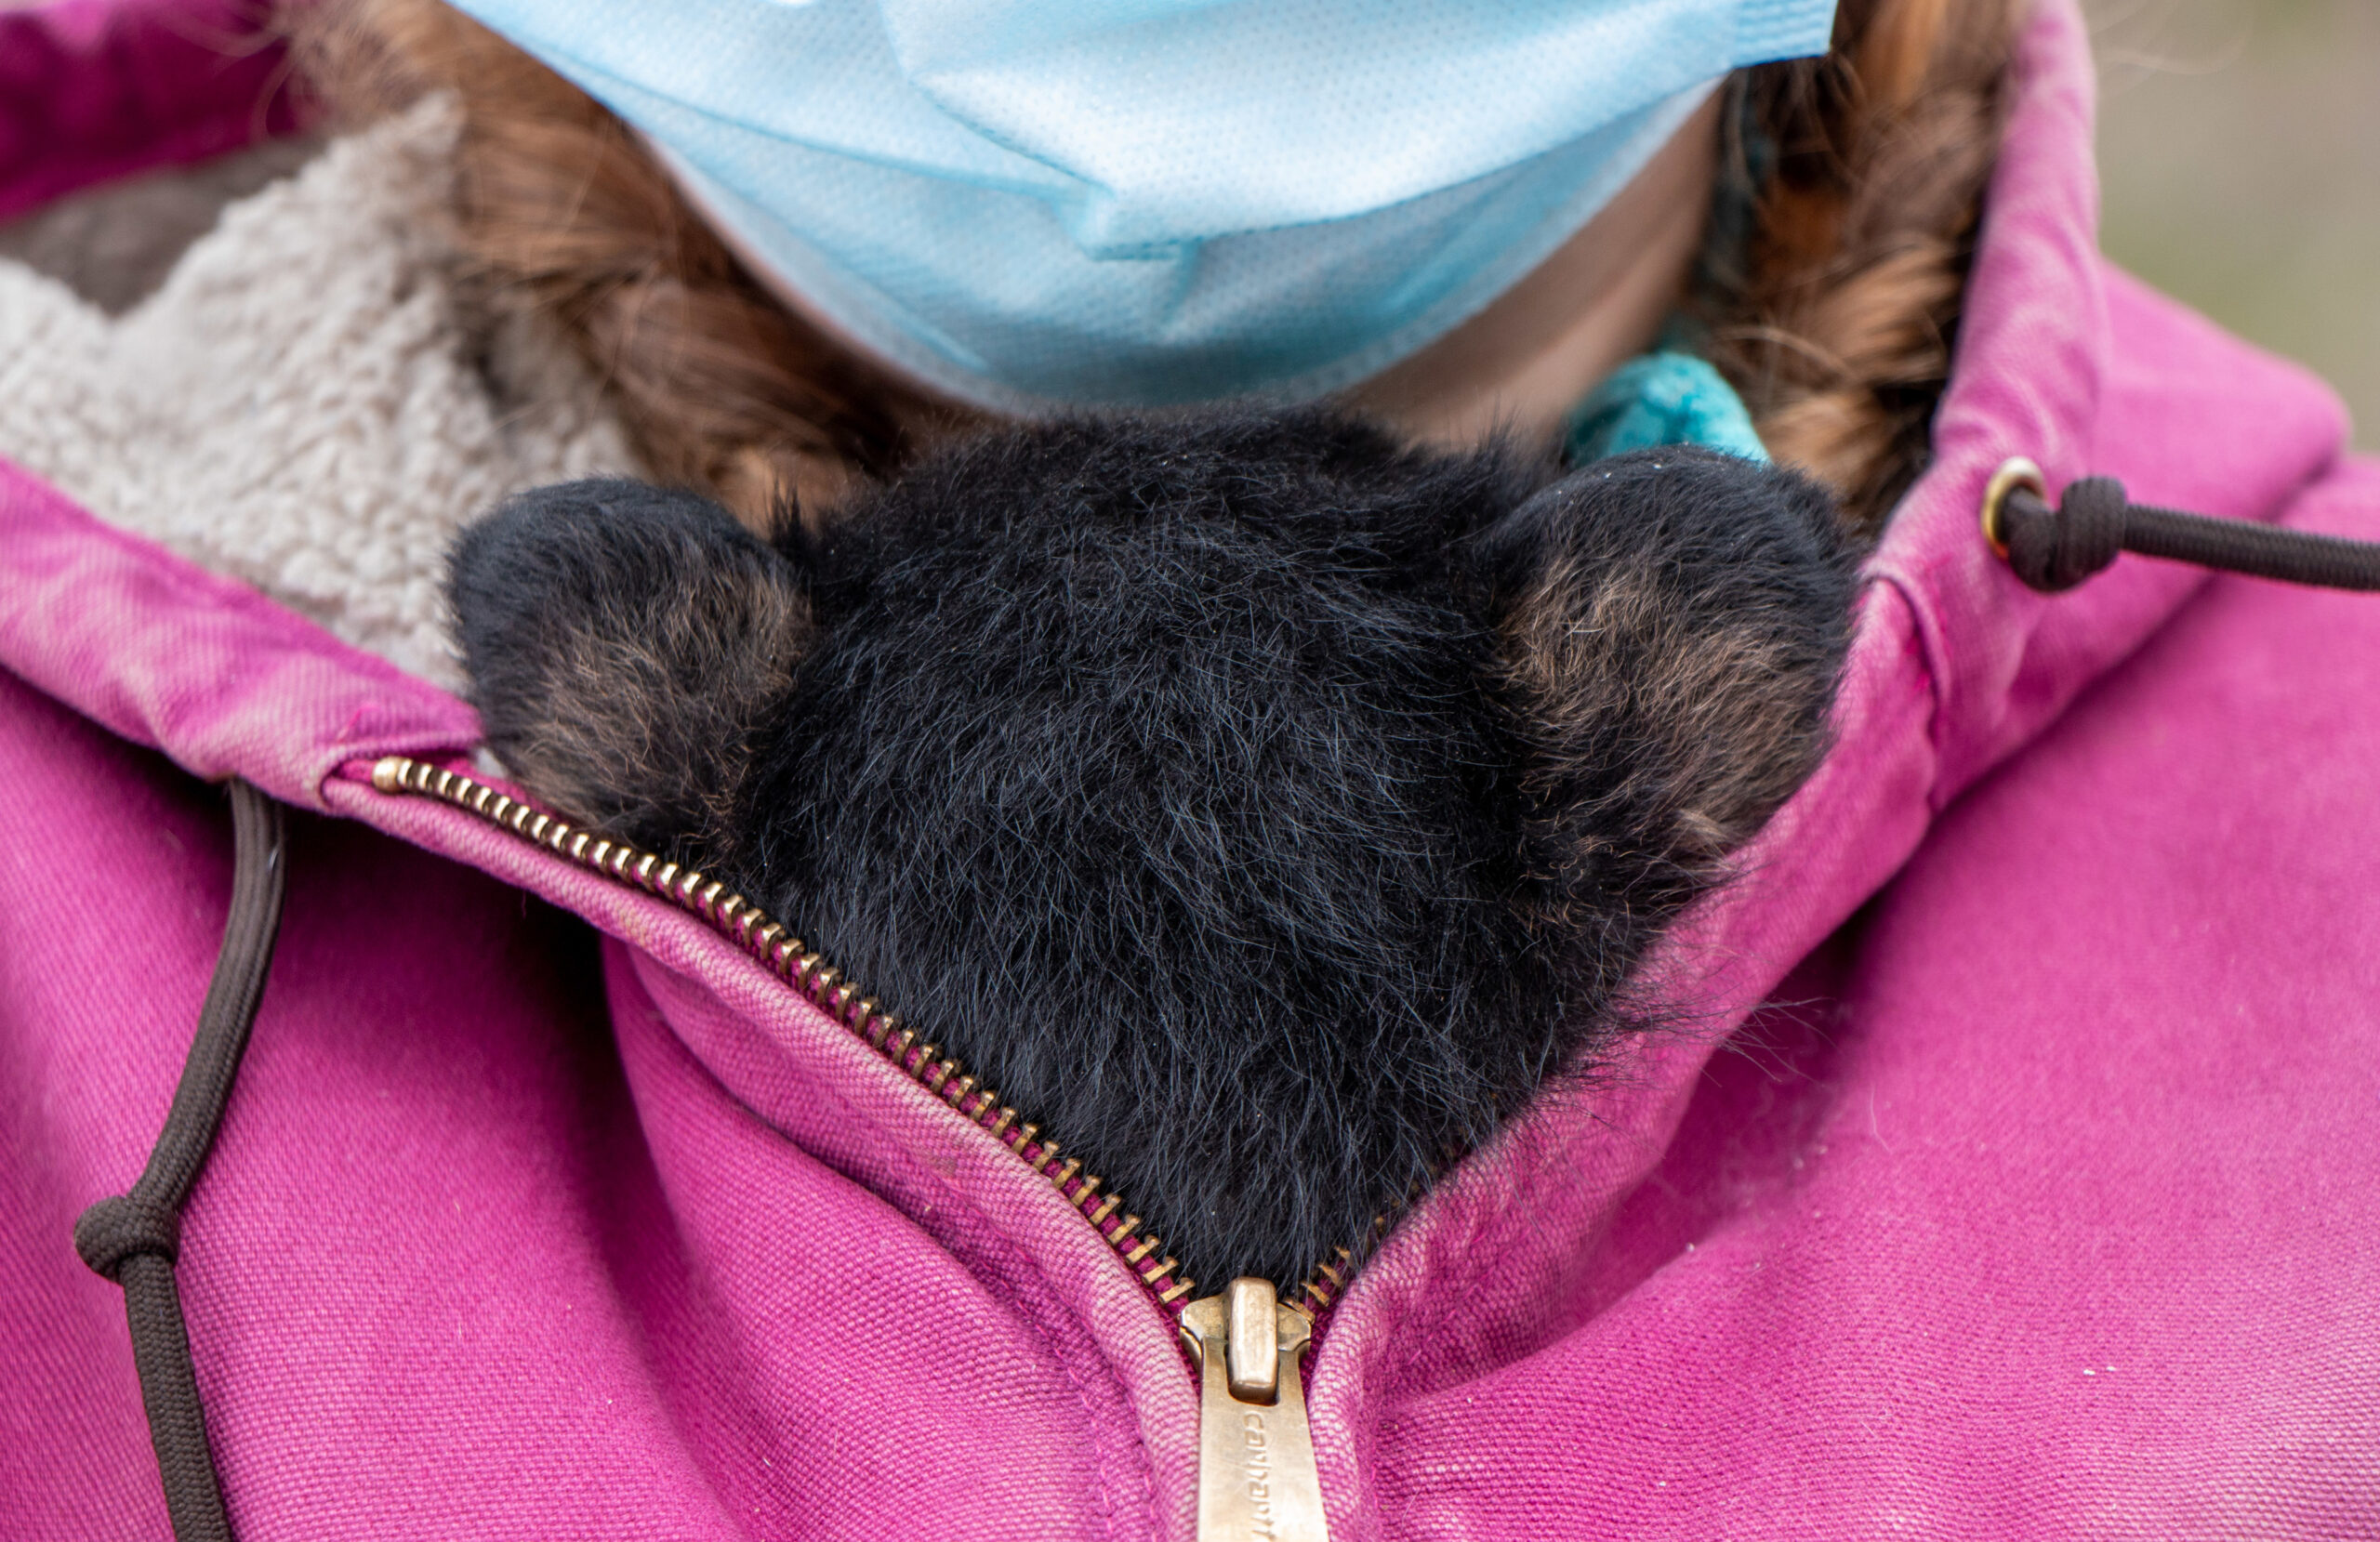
x=133, y=1238
x=2056, y=548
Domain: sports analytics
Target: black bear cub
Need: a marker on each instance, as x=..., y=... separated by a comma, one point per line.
x=1265, y=810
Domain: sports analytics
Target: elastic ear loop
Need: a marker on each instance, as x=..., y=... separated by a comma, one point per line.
x=134, y=1238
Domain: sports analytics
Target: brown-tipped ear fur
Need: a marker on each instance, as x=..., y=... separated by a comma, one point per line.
x=1670, y=625
x=625, y=643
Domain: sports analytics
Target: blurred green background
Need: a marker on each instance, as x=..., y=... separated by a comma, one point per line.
x=2239, y=163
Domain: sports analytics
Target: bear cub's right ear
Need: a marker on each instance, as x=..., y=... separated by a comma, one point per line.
x=1671, y=628
x=624, y=645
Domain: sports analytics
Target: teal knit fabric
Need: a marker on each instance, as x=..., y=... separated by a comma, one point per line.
x=1656, y=399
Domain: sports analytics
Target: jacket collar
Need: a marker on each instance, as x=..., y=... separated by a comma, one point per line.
x=1956, y=666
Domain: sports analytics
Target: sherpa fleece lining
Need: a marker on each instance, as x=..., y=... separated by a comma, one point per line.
x=309, y=402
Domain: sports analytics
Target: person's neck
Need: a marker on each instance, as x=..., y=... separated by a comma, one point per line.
x=1520, y=366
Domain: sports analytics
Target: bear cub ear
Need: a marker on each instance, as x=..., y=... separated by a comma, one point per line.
x=624, y=644
x=1670, y=627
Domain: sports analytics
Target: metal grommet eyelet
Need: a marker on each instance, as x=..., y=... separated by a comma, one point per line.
x=2014, y=472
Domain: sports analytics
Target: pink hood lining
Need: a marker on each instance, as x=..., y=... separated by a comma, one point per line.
x=91, y=90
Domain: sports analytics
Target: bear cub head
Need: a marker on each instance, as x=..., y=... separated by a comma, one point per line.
x=1265, y=809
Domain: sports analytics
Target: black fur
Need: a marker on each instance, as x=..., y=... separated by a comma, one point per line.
x=1264, y=810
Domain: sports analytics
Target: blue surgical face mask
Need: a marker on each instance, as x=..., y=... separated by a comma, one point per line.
x=1141, y=203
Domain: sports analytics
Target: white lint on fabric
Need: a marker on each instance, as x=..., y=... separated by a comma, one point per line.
x=309, y=403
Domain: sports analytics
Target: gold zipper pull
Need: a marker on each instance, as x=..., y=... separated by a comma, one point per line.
x=1256, y=1475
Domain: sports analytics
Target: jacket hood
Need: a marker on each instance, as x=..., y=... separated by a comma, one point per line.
x=1956, y=666
x=1605, y=1220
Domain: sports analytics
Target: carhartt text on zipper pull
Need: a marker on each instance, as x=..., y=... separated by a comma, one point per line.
x=1256, y=1475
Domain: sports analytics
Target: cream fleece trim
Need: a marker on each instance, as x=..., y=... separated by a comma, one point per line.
x=308, y=404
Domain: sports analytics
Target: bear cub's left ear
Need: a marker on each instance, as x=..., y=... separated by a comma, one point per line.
x=624, y=645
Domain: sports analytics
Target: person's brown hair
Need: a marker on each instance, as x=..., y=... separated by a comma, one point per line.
x=1835, y=313
x=561, y=210
x=1860, y=176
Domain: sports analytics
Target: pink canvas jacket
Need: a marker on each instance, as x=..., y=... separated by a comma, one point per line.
x=2013, y=1169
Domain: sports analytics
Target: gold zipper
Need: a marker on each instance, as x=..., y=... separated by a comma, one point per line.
x=793, y=961
x=1256, y=1473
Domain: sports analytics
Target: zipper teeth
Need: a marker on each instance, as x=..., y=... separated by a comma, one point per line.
x=794, y=962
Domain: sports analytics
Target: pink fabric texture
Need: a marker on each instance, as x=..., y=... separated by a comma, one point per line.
x=96, y=89
x=2010, y=1174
